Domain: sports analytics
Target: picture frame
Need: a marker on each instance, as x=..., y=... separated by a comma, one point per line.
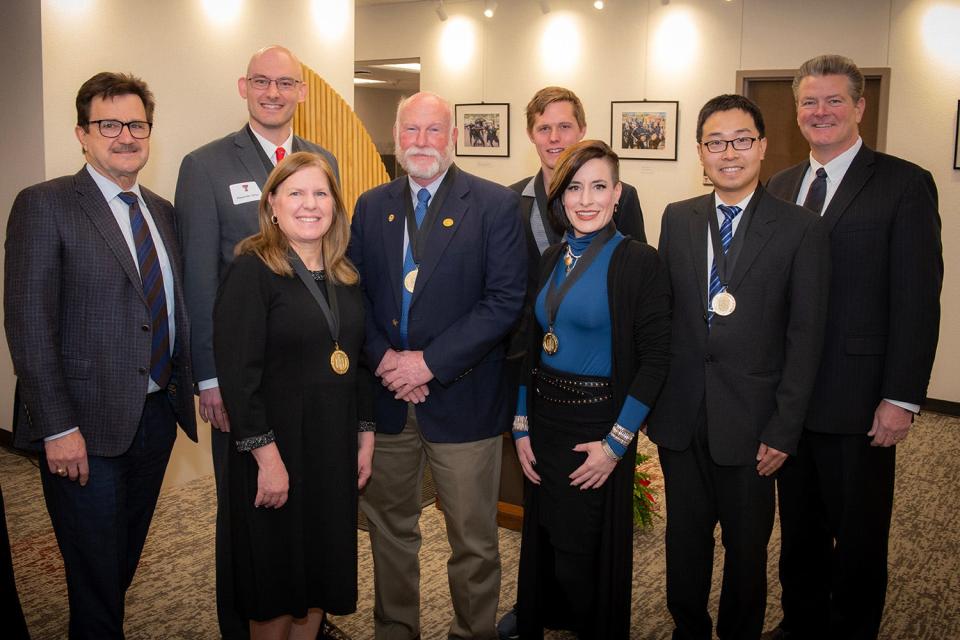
x=484, y=129
x=956, y=140
x=644, y=129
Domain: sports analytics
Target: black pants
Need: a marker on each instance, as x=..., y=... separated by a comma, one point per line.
x=699, y=494
x=11, y=614
x=836, y=499
x=233, y=626
x=101, y=527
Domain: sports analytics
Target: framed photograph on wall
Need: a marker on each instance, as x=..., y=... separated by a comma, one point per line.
x=645, y=130
x=956, y=140
x=484, y=129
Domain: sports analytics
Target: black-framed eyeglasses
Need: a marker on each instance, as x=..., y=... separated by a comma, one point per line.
x=139, y=129
x=284, y=85
x=740, y=144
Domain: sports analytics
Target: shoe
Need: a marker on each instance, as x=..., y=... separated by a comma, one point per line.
x=507, y=626
x=778, y=633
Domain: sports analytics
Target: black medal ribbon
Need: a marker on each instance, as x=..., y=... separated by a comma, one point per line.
x=556, y=295
x=417, y=236
x=330, y=311
x=723, y=274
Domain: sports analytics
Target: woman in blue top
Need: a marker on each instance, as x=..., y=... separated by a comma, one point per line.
x=597, y=358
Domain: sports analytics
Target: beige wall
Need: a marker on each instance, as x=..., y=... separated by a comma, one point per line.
x=191, y=60
x=377, y=108
x=690, y=51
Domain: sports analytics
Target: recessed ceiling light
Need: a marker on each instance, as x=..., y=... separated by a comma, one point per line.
x=368, y=81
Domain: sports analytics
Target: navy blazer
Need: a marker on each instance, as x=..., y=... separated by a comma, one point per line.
x=883, y=316
x=468, y=295
x=77, y=320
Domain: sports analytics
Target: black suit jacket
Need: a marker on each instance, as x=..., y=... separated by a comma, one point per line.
x=77, y=320
x=884, y=311
x=468, y=295
x=754, y=368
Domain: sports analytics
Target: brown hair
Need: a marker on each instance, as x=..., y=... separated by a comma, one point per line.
x=548, y=95
x=271, y=246
x=571, y=161
x=831, y=65
x=107, y=84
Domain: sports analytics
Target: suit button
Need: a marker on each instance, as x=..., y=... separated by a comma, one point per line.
x=142, y=370
x=708, y=358
x=145, y=327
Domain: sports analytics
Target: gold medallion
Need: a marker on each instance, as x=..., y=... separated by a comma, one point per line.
x=391, y=218
x=410, y=280
x=724, y=303
x=550, y=343
x=448, y=222
x=339, y=360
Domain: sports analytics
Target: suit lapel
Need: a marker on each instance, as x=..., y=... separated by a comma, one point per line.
x=796, y=179
x=250, y=156
x=448, y=223
x=758, y=233
x=698, y=244
x=853, y=180
x=394, y=222
x=96, y=208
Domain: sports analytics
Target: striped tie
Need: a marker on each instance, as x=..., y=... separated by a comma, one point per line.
x=152, y=279
x=726, y=236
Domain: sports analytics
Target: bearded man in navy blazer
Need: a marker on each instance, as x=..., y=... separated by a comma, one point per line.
x=883, y=318
x=442, y=263
x=98, y=333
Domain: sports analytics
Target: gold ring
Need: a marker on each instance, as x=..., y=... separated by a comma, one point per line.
x=61, y=472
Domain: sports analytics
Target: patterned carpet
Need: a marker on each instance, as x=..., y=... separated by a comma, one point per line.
x=173, y=594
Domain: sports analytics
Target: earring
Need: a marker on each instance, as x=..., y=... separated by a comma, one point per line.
x=274, y=220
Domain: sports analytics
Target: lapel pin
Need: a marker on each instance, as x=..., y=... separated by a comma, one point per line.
x=391, y=218
x=448, y=222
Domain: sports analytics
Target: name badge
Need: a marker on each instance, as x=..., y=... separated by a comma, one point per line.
x=244, y=192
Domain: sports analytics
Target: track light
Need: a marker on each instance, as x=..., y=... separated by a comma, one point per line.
x=598, y=4
x=544, y=6
x=441, y=12
x=490, y=6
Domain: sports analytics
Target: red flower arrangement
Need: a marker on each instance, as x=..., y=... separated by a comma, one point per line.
x=645, y=505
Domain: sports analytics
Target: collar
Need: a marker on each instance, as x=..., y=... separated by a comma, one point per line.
x=271, y=149
x=742, y=204
x=432, y=187
x=109, y=188
x=837, y=167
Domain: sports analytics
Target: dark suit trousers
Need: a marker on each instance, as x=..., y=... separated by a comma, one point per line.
x=836, y=499
x=11, y=614
x=699, y=494
x=233, y=626
x=101, y=528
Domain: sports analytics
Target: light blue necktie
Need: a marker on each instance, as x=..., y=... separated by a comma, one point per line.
x=726, y=237
x=423, y=196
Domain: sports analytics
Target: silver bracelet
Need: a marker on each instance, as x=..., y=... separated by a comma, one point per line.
x=607, y=450
x=520, y=423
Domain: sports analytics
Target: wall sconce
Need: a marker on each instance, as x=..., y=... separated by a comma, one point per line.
x=441, y=12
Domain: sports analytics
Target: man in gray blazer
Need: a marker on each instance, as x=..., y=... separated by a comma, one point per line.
x=749, y=274
x=218, y=193
x=98, y=334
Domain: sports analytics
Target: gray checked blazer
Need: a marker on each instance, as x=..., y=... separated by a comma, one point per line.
x=77, y=321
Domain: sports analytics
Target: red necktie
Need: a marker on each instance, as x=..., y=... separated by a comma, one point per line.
x=280, y=153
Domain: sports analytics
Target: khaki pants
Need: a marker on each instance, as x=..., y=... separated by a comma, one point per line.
x=467, y=477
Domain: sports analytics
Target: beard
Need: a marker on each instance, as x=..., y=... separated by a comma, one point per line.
x=417, y=169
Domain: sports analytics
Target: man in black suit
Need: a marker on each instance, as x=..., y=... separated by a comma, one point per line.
x=98, y=334
x=218, y=193
x=883, y=319
x=749, y=275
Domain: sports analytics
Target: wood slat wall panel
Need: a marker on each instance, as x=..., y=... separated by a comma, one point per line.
x=326, y=119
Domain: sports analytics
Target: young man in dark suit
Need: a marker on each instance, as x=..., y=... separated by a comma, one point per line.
x=883, y=317
x=441, y=262
x=97, y=329
x=749, y=275
x=218, y=193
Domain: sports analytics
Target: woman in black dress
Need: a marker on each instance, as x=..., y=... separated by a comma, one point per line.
x=599, y=355
x=288, y=327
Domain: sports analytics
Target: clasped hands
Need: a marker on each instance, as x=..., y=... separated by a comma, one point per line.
x=406, y=374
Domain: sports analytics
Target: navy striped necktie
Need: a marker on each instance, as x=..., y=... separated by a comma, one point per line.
x=817, y=193
x=152, y=278
x=726, y=237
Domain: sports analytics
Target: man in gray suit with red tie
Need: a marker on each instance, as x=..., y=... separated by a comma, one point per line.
x=98, y=334
x=883, y=318
x=218, y=192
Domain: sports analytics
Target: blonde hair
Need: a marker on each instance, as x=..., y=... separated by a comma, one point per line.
x=271, y=246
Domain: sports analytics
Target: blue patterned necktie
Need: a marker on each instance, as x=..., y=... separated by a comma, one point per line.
x=726, y=237
x=152, y=280
x=817, y=193
x=423, y=197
